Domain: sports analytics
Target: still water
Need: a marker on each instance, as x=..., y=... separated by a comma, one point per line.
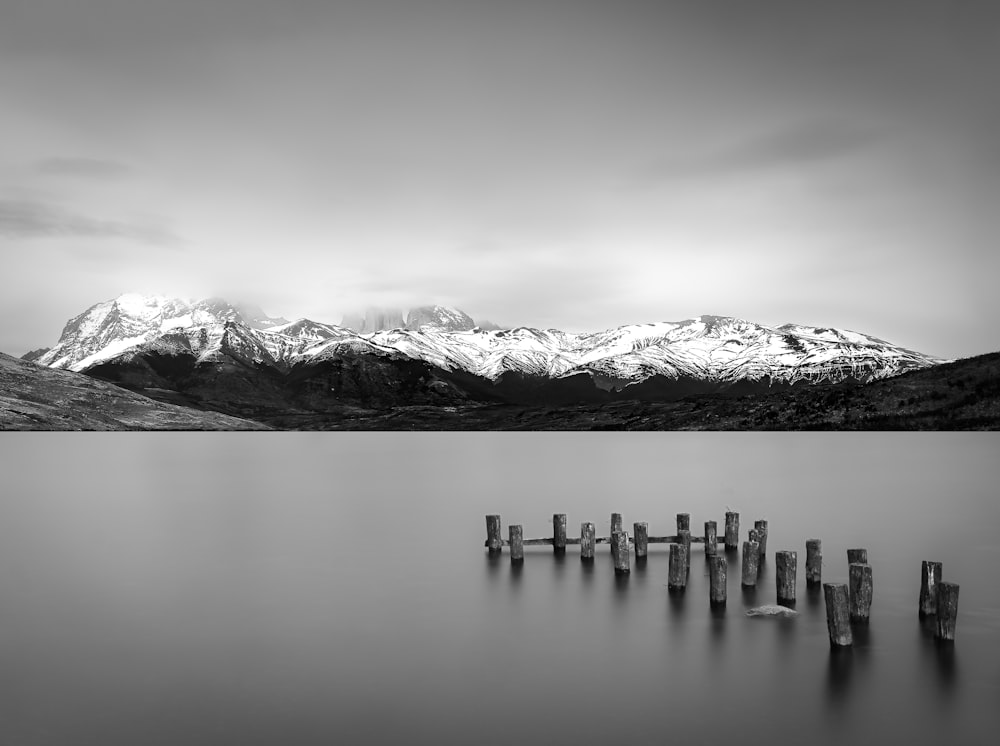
x=304, y=588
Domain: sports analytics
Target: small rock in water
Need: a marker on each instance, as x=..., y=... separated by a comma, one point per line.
x=771, y=610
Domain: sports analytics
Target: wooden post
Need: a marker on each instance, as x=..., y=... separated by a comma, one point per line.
x=838, y=621
x=861, y=592
x=754, y=538
x=947, y=610
x=640, y=538
x=677, y=575
x=516, y=544
x=930, y=576
x=732, y=531
x=588, y=540
x=493, y=541
x=761, y=527
x=559, y=533
x=857, y=555
x=786, y=564
x=684, y=539
x=814, y=562
x=751, y=563
x=717, y=566
x=619, y=551
x=683, y=522
x=711, y=538
x=616, y=522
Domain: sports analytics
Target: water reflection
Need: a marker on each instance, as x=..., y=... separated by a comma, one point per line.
x=938, y=659
x=814, y=599
x=839, y=672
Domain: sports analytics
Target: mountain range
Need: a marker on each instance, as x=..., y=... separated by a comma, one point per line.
x=236, y=359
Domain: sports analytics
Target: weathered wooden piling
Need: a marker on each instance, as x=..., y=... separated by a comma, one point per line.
x=516, y=544
x=677, y=574
x=717, y=567
x=751, y=564
x=683, y=522
x=861, y=592
x=857, y=555
x=616, y=522
x=711, y=538
x=785, y=566
x=761, y=527
x=493, y=541
x=930, y=576
x=640, y=538
x=559, y=533
x=588, y=540
x=732, y=535
x=947, y=610
x=684, y=539
x=814, y=562
x=619, y=552
x=838, y=620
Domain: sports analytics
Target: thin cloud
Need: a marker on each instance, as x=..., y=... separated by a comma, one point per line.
x=86, y=168
x=795, y=146
x=30, y=220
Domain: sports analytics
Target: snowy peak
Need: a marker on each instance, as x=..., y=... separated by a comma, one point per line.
x=439, y=319
x=114, y=326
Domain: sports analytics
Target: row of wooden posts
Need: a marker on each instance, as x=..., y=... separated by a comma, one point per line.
x=847, y=604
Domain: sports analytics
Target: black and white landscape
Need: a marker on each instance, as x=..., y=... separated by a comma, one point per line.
x=249, y=223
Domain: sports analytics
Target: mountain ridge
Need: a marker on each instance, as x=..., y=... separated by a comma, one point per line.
x=711, y=348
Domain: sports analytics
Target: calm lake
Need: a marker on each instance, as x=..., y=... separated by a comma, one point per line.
x=305, y=588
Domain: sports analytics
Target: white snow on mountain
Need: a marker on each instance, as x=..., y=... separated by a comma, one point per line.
x=708, y=347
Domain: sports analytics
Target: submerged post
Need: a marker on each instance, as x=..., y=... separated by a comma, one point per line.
x=814, y=562
x=684, y=539
x=616, y=522
x=761, y=527
x=732, y=535
x=930, y=576
x=947, y=610
x=683, y=522
x=588, y=539
x=516, y=544
x=711, y=538
x=786, y=564
x=751, y=558
x=640, y=534
x=861, y=592
x=717, y=566
x=857, y=555
x=493, y=541
x=838, y=621
x=559, y=533
x=619, y=552
x=677, y=575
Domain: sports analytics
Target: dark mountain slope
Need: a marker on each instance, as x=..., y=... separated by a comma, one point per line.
x=33, y=397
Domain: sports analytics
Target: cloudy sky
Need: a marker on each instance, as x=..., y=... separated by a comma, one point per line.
x=577, y=164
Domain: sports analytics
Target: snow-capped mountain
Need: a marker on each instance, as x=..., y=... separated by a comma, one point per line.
x=439, y=319
x=707, y=348
x=131, y=320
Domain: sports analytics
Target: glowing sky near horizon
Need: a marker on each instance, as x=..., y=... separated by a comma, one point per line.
x=561, y=163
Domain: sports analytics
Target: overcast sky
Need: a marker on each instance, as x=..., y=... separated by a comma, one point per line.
x=557, y=163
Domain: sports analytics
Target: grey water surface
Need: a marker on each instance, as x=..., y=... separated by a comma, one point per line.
x=307, y=588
